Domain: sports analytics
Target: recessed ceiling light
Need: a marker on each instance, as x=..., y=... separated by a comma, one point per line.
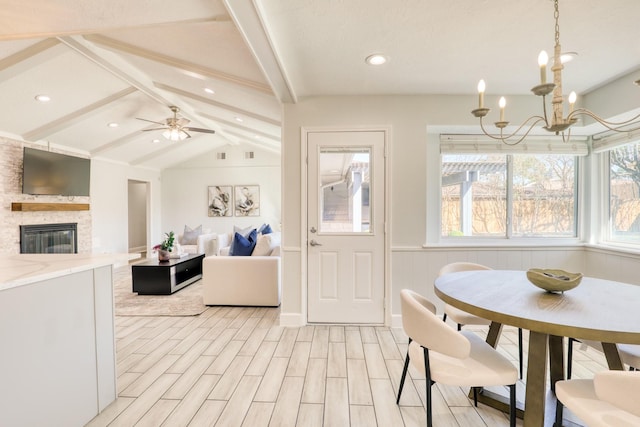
x=43, y=98
x=376, y=59
x=239, y=119
x=155, y=141
x=113, y=125
x=209, y=90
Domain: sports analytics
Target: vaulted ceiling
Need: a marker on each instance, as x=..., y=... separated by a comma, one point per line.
x=113, y=61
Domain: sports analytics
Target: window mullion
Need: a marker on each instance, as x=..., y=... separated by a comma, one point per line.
x=509, y=210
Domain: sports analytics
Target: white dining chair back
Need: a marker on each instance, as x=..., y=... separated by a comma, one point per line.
x=420, y=322
x=448, y=356
x=461, y=317
x=610, y=399
x=455, y=267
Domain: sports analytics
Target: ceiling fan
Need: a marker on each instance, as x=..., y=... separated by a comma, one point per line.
x=175, y=128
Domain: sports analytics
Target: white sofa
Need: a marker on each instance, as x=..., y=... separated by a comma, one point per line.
x=243, y=280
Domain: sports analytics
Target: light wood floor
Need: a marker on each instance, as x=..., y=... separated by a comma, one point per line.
x=237, y=367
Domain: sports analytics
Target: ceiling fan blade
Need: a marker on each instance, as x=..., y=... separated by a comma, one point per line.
x=199, y=130
x=150, y=121
x=147, y=130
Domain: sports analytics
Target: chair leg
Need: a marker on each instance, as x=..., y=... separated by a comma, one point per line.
x=569, y=357
x=512, y=405
x=558, y=421
x=520, y=350
x=475, y=396
x=404, y=374
x=428, y=383
x=444, y=317
x=459, y=327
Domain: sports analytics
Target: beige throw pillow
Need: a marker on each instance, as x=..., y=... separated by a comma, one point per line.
x=190, y=236
x=266, y=243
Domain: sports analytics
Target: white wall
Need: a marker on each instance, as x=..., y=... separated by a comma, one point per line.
x=184, y=189
x=109, y=204
x=415, y=123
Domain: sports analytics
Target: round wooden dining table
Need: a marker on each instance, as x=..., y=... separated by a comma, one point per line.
x=597, y=310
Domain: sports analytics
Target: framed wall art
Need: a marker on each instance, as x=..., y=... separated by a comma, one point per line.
x=219, y=201
x=247, y=200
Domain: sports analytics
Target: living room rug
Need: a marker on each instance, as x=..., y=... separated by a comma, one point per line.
x=185, y=302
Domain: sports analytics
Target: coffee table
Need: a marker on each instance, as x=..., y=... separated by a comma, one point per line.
x=166, y=277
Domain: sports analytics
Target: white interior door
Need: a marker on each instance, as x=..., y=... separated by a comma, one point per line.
x=346, y=225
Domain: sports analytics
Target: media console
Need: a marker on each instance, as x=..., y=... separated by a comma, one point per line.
x=166, y=277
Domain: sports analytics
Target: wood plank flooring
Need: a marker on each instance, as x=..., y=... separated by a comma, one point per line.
x=233, y=366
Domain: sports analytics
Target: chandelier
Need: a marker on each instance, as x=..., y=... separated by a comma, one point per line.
x=554, y=122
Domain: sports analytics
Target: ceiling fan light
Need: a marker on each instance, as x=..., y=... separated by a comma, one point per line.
x=174, y=134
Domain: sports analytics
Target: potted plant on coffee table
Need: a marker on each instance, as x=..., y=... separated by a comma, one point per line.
x=166, y=247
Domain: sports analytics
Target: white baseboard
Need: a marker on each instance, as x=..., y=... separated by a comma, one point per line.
x=292, y=319
x=396, y=321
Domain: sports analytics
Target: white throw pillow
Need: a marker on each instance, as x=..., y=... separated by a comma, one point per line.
x=266, y=244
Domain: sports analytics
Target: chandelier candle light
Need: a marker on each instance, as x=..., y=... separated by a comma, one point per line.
x=557, y=123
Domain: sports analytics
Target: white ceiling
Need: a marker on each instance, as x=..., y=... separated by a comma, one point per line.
x=112, y=61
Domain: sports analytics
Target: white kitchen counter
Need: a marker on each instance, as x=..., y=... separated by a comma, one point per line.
x=58, y=338
x=23, y=269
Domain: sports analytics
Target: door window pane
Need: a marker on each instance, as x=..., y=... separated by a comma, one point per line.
x=344, y=190
x=624, y=193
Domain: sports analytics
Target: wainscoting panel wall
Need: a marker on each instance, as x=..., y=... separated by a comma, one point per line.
x=417, y=268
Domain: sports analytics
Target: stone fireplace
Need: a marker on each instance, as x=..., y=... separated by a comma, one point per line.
x=49, y=239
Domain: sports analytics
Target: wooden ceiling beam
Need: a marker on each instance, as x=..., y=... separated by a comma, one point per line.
x=122, y=47
x=70, y=119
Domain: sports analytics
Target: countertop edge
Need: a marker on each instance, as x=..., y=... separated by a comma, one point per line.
x=24, y=269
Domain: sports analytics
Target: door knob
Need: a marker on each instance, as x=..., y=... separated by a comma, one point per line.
x=314, y=243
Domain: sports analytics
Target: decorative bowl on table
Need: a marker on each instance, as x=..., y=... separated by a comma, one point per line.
x=553, y=280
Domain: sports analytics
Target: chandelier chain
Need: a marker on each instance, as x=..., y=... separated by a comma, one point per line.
x=556, y=15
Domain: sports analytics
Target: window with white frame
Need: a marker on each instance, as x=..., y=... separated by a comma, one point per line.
x=624, y=193
x=620, y=162
x=527, y=192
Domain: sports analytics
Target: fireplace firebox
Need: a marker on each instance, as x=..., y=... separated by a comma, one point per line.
x=49, y=239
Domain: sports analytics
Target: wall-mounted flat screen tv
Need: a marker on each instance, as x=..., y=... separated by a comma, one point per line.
x=47, y=173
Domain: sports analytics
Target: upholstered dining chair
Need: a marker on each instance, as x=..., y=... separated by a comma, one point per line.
x=629, y=353
x=461, y=317
x=450, y=357
x=610, y=399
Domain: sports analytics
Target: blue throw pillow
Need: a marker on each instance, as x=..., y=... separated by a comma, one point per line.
x=244, y=232
x=243, y=246
x=265, y=229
